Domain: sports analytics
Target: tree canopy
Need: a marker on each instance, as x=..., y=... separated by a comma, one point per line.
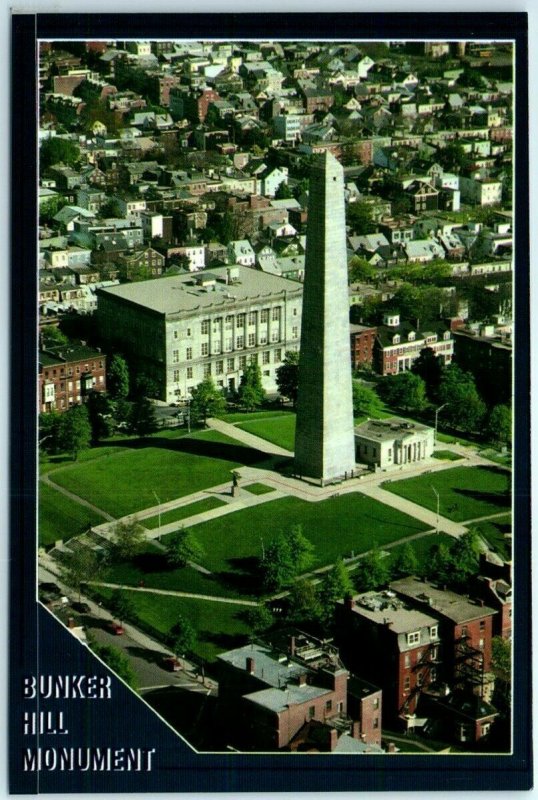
x=404, y=390
x=182, y=636
x=182, y=546
x=366, y=401
x=117, y=377
x=251, y=393
x=287, y=376
x=464, y=409
x=373, y=571
x=127, y=539
x=206, y=401
x=56, y=150
x=74, y=431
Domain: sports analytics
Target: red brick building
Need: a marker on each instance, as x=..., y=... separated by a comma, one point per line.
x=68, y=375
x=398, y=345
x=270, y=694
x=362, y=345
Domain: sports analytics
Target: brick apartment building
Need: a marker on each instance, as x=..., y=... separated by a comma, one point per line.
x=398, y=345
x=292, y=694
x=362, y=345
x=66, y=377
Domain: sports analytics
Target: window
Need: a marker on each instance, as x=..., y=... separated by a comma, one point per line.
x=275, y=336
x=240, y=342
x=205, y=348
x=264, y=315
x=230, y=364
x=295, y=311
x=278, y=355
x=176, y=334
x=328, y=705
x=434, y=631
x=266, y=356
x=276, y=313
x=189, y=333
x=176, y=376
x=263, y=338
x=407, y=683
x=217, y=322
x=407, y=660
x=228, y=322
x=434, y=653
x=311, y=712
x=229, y=345
x=251, y=339
x=376, y=723
x=413, y=638
x=295, y=332
x=376, y=702
x=188, y=354
x=240, y=320
x=267, y=373
x=216, y=346
x=175, y=357
x=420, y=678
x=482, y=625
x=242, y=362
x=219, y=367
x=205, y=327
x=207, y=370
x=252, y=318
x=389, y=454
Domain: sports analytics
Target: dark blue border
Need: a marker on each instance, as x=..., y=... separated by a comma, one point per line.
x=179, y=769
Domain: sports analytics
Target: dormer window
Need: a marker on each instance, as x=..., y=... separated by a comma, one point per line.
x=446, y=335
x=411, y=336
x=396, y=338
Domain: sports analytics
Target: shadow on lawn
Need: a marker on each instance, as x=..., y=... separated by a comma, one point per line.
x=492, y=498
x=245, y=577
x=224, y=641
x=200, y=447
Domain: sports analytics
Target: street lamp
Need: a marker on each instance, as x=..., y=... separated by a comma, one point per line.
x=159, y=502
x=434, y=490
x=437, y=410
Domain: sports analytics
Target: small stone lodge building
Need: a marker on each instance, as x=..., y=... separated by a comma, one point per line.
x=392, y=442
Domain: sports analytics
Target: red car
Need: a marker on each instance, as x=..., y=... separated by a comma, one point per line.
x=116, y=628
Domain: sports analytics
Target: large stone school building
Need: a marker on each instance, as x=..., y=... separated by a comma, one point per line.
x=184, y=328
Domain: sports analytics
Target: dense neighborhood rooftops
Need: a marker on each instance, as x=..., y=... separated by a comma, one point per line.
x=185, y=292
x=265, y=664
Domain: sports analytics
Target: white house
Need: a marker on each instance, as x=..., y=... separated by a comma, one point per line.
x=393, y=443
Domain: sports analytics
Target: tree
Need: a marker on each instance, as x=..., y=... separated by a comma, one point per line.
x=501, y=656
x=55, y=150
x=465, y=409
x=439, y=565
x=429, y=367
x=287, y=376
x=122, y=605
x=499, y=425
x=127, y=539
x=359, y=218
x=406, y=562
x=303, y=603
x=405, y=390
x=117, y=377
x=301, y=549
x=206, y=401
x=53, y=337
x=75, y=432
x=110, y=209
x=335, y=585
x=373, y=571
x=80, y=565
x=277, y=567
x=259, y=619
x=366, y=402
x=182, y=636
x=283, y=191
x=49, y=431
x=143, y=419
x=465, y=555
x=182, y=546
x=101, y=411
x=251, y=393
x=360, y=270
x=118, y=663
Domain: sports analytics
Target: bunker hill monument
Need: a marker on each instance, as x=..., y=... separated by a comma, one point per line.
x=324, y=439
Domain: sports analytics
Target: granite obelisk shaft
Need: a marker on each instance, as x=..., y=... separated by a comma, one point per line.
x=324, y=439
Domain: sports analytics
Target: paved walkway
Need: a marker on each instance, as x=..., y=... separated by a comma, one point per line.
x=247, y=438
x=172, y=593
x=46, y=479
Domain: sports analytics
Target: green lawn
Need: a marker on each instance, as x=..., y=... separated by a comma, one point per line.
x=250, y=416
x=60, y=517
x=123, y=482
x=176, y=514
x=150, y=566
x=422, y=548
x=336, y=527
x=279, y=430
x=219, y=626
x=464, y=492
x=493, y=530
x=258, y=488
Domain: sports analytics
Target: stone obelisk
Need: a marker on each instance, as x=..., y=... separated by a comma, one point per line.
x=324, y=439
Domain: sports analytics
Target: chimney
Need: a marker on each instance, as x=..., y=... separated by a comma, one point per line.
x=391, y=747
x=348, y=603
x=356, y=729
x=302, y=679
x=250, y=665
x=292, y=646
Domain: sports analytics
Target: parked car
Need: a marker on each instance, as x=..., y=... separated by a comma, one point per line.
x=172, y=664
x=116, y=628
x=50, y=588
x=82, y=608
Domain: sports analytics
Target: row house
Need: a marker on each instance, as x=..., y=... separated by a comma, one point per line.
x=292, y=694
x=362, y=338
x=67, y=377
x=398, y=345
x=141, y=264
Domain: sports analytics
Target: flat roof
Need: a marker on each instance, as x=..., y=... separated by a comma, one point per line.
x=455, y=607
x=279, y=699
x=389, y=429
x=171, y=295
x=384, y=609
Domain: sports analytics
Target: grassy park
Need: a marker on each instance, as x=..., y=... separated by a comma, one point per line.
x=177, y=514
x=464, y=493
x=61, y=518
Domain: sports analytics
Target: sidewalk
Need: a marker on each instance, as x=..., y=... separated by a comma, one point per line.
x=247, y=438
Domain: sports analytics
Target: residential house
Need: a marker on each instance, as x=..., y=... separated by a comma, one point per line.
x=398, y=345
x=362, y=345
x=67, y=375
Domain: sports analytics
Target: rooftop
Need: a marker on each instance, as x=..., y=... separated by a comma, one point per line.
x=384, y=608
x=172, y=295
x=389, y=429
x=455, y=607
